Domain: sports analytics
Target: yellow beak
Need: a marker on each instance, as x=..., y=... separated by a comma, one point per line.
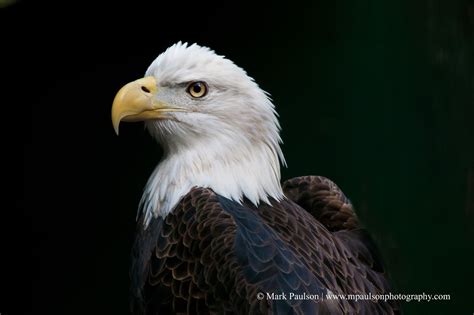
x=136, y=101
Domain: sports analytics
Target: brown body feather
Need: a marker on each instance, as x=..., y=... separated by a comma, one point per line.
x=212, y=256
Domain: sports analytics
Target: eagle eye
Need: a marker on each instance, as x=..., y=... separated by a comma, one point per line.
x=197, y=89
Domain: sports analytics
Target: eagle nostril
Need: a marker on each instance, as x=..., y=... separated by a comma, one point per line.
x=145, y=89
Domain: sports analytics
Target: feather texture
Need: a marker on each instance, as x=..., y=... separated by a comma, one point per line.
x=213, y=255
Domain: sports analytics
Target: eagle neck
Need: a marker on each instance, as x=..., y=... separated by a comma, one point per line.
x=233, y=170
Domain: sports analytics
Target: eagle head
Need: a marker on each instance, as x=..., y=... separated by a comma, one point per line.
x=218, y=129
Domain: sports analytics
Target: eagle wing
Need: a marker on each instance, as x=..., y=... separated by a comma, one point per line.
x=214, y=255
x=326, y=202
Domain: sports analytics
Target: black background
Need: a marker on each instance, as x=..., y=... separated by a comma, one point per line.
x=376, y=95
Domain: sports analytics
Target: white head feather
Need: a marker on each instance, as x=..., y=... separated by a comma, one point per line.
x=227, y=140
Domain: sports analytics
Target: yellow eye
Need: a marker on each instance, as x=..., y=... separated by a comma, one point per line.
x=197, y=89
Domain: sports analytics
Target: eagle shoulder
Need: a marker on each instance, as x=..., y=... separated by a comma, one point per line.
x=324, y=200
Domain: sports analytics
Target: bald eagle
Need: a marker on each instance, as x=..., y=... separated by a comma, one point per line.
x=217, y=232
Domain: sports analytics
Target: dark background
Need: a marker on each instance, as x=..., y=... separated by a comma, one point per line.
x=376, y=95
